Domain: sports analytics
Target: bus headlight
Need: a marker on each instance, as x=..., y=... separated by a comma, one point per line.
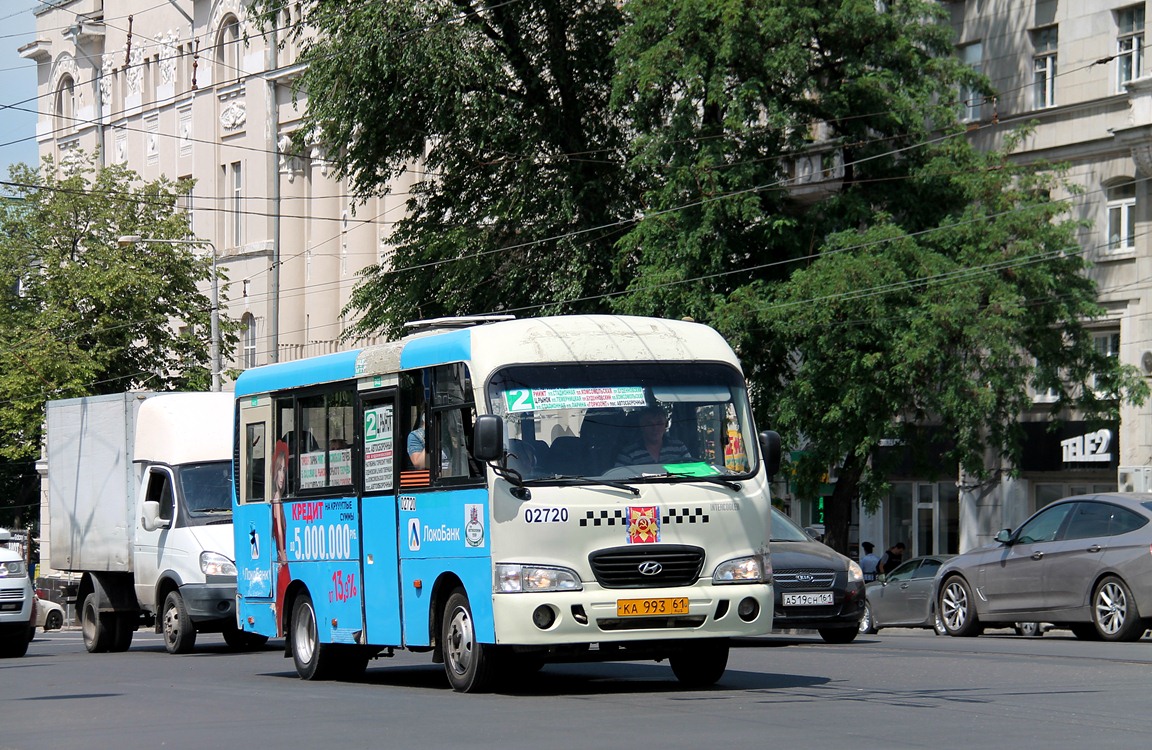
x=215, y=564
x=514, y=578
x=751, y=569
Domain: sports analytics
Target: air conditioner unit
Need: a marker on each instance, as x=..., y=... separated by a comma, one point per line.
x=1135, y=478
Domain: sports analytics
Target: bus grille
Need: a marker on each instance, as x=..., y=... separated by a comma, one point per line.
x=619, y=567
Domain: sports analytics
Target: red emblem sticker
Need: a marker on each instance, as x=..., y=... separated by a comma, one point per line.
x=643, y=525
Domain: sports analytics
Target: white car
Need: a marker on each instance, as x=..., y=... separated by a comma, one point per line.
x=49, y=614
x=16, y=601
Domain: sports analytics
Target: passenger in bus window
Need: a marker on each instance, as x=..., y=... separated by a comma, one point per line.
x=654, y=445
x=416, y=447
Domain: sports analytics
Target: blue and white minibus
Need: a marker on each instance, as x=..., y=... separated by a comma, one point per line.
x=503, y=494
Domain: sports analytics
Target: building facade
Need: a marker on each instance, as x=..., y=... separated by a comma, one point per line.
x=192, y=89
x=1077, y=72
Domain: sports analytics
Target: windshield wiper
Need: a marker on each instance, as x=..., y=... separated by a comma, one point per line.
x=575, y=481
x=694, y=477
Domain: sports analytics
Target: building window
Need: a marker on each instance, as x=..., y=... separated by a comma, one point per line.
x=971, y=100
x=65, y=104
x=248, y=341
x=1129, y=45
x=228, y=51
x=1044, y=42
x=1122, y=217
x=233, y=182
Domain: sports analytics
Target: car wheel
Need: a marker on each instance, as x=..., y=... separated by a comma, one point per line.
x=867, y=624
x=702, y=663
x=12, y=648
x=94, y=626
x=958, y=609
x=938, y=622
x=471, y=666
x=838, y=635
x=53, y=620
x=1114, y=611
x=179, y=632
x=1028, y=629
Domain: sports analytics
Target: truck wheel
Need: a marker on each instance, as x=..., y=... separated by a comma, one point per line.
x=122, y=631
x=702, y=663
x=179, y=632
x=94, y=626
x=469, y=664
x=314, y=660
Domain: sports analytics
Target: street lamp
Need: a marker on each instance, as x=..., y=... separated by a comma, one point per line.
x=133, y=239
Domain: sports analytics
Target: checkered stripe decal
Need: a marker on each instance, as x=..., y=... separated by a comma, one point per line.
x=684, y=515
x=603, y=518
x=616, y=517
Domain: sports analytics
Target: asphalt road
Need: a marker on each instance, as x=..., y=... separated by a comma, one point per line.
x=897, y=689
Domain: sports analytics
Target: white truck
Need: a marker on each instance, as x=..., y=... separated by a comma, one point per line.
x=140, y=504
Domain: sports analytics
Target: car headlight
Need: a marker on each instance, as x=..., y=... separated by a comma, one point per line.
x=751, y=569
x=517, y=578
x=12, y=569
x=215, y=564
x=855, y=572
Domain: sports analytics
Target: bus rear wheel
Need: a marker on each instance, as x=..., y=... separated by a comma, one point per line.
x=314, y=660
x=469, y=664
x=701, y=664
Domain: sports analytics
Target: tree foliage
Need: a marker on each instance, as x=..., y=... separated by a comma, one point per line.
x=499, y=113
x=791, y=172
x=84, y=315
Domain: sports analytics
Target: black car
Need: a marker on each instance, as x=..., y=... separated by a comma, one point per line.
x=815, y=587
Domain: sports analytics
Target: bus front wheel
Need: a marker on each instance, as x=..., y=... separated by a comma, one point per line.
x=701, y=664
x=469, y=664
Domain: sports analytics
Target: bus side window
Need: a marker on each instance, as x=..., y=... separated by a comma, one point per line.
x=254, y=460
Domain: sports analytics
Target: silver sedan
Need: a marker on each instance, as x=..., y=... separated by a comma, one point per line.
x=1083, y=562
x=904, y=598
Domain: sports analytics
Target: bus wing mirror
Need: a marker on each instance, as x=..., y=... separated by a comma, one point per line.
x=488, y=438
x=770, y=447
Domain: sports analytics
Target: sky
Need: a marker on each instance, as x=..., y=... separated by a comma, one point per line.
x=17, y=85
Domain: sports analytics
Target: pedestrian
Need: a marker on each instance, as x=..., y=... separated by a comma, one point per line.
x=869, y=562
x=891, y=559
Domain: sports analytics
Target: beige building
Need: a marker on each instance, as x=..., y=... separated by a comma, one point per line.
x=191, y=89
x=1078, y=71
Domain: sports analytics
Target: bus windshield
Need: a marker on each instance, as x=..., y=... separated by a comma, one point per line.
x=633, y=421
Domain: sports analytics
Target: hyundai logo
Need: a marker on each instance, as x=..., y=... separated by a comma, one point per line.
x=650, y=568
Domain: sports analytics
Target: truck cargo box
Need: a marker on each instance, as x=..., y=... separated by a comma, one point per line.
x=92, y=481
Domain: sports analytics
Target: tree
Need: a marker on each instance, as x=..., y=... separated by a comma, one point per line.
x=914, y=281
x=83, y=314
x=499, y=112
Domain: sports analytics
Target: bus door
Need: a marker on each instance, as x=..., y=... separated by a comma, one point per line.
x=380, y=573
x=257, y=561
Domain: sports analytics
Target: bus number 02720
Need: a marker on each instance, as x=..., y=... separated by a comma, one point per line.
x=546, y=515
x=324, y=542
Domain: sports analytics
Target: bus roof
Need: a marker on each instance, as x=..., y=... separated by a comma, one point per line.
x=489, y=346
